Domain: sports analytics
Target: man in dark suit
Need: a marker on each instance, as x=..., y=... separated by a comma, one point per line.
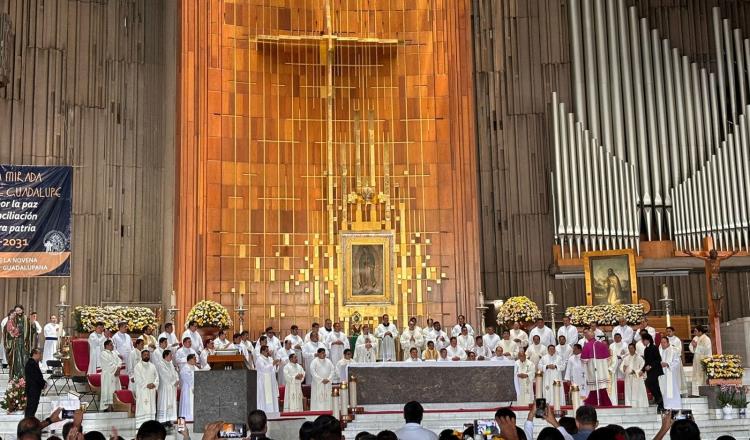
x=35, y=382
x=652, y=367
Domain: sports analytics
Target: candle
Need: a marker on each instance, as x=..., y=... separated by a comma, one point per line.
x=172, y=300
x=336, y=403
x=63, y=294
x=575, y=397
x=353, y=392
x=664, y=291
x=550, y=297
x=538, y=385
x=344, y=392
x=556, y=395
x=240, y=302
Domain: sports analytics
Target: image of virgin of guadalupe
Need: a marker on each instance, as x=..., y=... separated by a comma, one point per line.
x=366, y=279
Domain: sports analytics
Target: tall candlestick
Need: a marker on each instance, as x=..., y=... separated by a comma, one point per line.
x=63, y=293
x=664, y=291
x=550, y=297
x=172, y=300
x=240, y=301
x=538, y=385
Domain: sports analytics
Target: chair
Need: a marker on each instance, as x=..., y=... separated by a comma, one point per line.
x=95, y=385
x=124, y=381
x=621, y=390
x=55, y=377
x=124, y=401
x=80, y=357
x=282, y=390
x=306, y=395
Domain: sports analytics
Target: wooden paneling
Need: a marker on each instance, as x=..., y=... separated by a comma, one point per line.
x=522, y=55
x=93, y=87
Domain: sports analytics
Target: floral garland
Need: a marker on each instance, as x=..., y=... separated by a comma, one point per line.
x=15, y=396
x=210, y=314
x=605, y=314
x=723, y=366
x=137, y=317
x=518, y=308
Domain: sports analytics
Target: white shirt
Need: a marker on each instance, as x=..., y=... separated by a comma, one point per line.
x=414, y=431
x=457, y=329
x=171, y=339
x=625, y=331
x=570, y=332
x=220, y=344
x=546, y=337
x=195, y=337
x=491, y=341
x=123, y=345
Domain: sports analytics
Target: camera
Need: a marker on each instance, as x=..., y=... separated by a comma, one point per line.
x=180, y=424
x=541, y=408
x=233, y=430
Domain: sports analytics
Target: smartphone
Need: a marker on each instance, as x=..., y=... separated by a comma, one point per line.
x=233, y=430
x=68, y=413
x=687, y=414
x=541, y=408
x=485, y=429
x=180, y=424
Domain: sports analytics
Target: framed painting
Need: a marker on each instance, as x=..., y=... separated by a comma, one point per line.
x=610, y=277
x=367, y=267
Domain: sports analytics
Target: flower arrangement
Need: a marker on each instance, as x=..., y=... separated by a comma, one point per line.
x=137, y=318
x=723, y=366
x=605, y=314
x=15, y=396
x=210, y=314
x=518, y=308
x=732, y=395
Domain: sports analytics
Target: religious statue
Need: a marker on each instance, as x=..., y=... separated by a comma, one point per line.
x=19, y=335
x=614, y=287
x=713, y=259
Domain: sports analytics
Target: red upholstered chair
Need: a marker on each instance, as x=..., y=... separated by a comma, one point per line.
x=95, y=385
x=124, y=401
x=124, y=379
x=282, y=390
x=620, y=391
x=566, y=390
x=657, y=339
x=306, y=394
x=80, y=356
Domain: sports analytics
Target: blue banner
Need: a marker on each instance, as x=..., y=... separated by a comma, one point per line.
x=35, y=214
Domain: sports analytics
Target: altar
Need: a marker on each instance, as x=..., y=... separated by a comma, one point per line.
x=433, y=382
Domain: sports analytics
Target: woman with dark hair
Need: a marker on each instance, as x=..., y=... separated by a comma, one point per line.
x=652, y=368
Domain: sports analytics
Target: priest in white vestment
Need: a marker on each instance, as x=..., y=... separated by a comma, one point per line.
x=569, y=331
x=411, y=338
x=490, y=338
x=546, y=336
x=551, y=367
x=387, y=334
x=669, y=382
x=296, y=341
x=413, y=355
x=52, y=334
x=510, y=348
x=519, y=336
x=134, y=357
x=438, y=336
x=158, y=355
x=268, y=388
x=123, y=342
x=172, y=342
x=321, y=370
x=461, y=324
x=444, y=356
x=575, y=372
x=187, y=380
x=525, y=370
x=617, y=350
x=221, y=342
x=210, y=350
x=482, y=351
x=166, y=402
x=315, y=328
x=367, y=347
x=643, y=326
x=181, y=356
x=192, y=333
x=635, y=379
x=536, y=350
x=146, y=383
x=455, y=353
x=282, y=355
x=676, y=344
x=565, y=350
x=96, y=346
x=245, y=347
x=294, y=375
x=310, y=353
x=149, y=341
x=624, y=330
x=342, y=367
x=110, y=364
x=465, y=340
x=701, y=348
x=337, y=342
x=323, y=331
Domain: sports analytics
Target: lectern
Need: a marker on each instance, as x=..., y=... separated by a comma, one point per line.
x=227, y=362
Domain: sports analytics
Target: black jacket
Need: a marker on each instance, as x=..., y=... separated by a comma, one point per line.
x=652, y=357
x=34, y=380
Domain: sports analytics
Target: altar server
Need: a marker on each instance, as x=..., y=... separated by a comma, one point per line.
x=96, y=346
x=192, y=333
x=294, y=375
x=595, y=356
x=413, y=355
x=465, y=340
x=482, y=351
x=635, y=386
x=575, y=371
x=430, y=354
x=181, y=356
x=462, y=323
x=490, y=338
x=342, y=367
x=455, y=353
x=134, y=358
x=110, y=364
x=321, y=370
x=337, y=342
x=546, y=337
x=438, y=336
x=569, y=331
x=669, y=382
x=166, y=402
x=519, y=336
x=146, y=383
x=366, y=350
x=310, y=353
x=536, y=350
x=700, y=346
x=617, y=350
x=624, y=330
x=676, y=344
x=444, y=356
x=510, y=348
x=411, y=338
x=52, y=334
x=550, y=365
x=387, y=334
x=268, y=388
x=187, y=380
x=123, y=342
x=172, y=342
x=565, y=350
x=525, y=370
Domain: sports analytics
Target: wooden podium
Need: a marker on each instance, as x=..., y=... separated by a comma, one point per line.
x=227, y=362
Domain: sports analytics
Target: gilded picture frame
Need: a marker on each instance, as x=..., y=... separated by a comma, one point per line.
x=611, y=277
x=368, y=259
